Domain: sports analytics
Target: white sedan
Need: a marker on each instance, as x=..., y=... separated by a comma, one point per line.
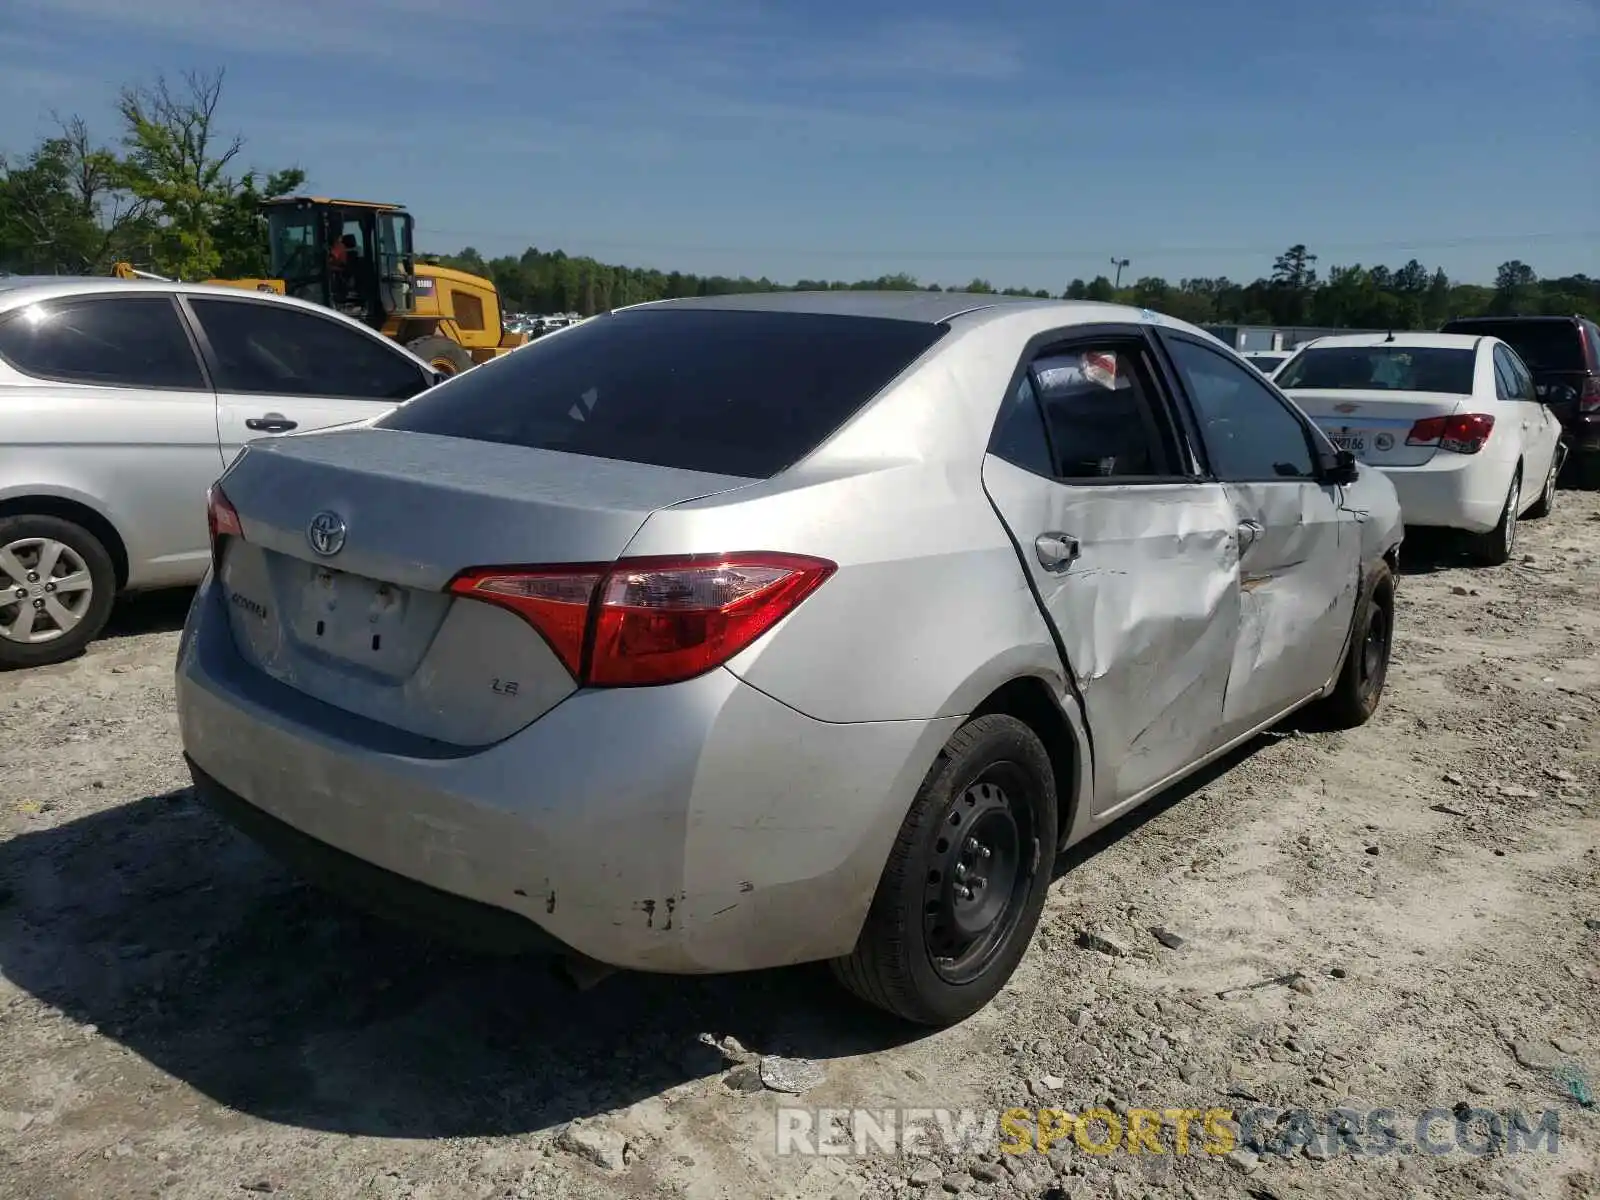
x=1267, y=361
x=1453, y=420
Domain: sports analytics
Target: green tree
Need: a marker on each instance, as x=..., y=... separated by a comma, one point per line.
x=1295, y=268
x=1513, y=284
x=1100, y=288
x=61, y=208
x=240, y=232
x=1436, y=304
x=1412, y=279
x=177, y=162
x=1151, y=292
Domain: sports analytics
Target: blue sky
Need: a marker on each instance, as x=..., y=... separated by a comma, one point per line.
x=1023, y=142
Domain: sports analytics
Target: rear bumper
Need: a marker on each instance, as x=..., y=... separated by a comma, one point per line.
x=1452, y=491
x=702, y=827
x=450, y=918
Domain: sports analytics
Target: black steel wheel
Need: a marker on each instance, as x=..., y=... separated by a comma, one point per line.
x=966, y=879
x=977, y=885
x=1359, y=689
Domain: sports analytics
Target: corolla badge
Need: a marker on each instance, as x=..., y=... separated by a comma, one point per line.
x=326, y=533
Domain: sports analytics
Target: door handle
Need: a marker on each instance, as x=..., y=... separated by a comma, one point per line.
x=1249, y=531
x=1056, y=551
x=271, y=423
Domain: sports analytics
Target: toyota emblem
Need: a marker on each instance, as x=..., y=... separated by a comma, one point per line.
x=326, y=533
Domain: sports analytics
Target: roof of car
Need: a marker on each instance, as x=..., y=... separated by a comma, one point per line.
x=1516, y=320
x=9, y=282
x=16, y=290
x=1437, y=341
x=929, y=308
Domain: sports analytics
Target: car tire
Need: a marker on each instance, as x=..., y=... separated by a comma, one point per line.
x=443, y=355
x=1546, y=503
x=986, y=810
x=1359, y=690
x=1495, y=548
x=77, y=553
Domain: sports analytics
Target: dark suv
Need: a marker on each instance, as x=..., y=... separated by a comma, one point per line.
x=1563, y=353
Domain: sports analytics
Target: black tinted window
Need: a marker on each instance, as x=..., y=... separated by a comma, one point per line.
x=733, y=393
x=1381, y=368
x=1101, y=413
x=281, y=351
x=1249, y=433
x=117, y=341
x=1019, y=435
x=1543, y=345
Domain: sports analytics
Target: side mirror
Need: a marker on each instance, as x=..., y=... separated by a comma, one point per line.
x=1343, y=469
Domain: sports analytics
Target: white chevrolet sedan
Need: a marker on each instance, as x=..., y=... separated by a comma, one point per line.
x=1453, y=420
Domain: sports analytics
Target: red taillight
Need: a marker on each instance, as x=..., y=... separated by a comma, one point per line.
x=221, y=520
x=556, y=603
x=1463, y=434
x=1589, y=397
x=651, y=620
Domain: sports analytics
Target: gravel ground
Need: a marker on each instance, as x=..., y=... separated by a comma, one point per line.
x=1404, y=917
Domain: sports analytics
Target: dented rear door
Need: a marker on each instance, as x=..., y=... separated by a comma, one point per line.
x=1299, y=545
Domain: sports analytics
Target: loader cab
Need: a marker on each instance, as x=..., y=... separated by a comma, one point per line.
x=351, y=255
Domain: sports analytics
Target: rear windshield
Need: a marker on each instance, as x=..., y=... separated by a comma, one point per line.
x=1543, y=345
x=1380, y=368
x=730, y=393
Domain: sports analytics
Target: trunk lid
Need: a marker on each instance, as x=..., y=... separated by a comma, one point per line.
x=1373, y=423
x=368, y=627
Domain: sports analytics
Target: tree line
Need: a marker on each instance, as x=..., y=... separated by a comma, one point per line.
x=170, y=195
x=1355, y=296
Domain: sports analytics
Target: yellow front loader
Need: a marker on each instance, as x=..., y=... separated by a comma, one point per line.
x=356, y=256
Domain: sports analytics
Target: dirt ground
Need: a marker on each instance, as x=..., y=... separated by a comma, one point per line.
x=1406, y=917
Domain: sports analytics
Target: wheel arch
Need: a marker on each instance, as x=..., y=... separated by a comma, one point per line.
x=66, y=508
x=1031, y=700
x=1369, y=577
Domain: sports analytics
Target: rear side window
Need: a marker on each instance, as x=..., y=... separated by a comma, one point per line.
x=1101, y=413
x=1522, y=381
x=1381, y=368
x=274, y=350
x=1019, y=435
x=1087, y=412
x=1543, y=345
x=112, y=341
x=1505, y=383
x=729, y=393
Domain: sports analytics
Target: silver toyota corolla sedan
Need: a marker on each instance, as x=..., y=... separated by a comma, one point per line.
x=720, y=634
